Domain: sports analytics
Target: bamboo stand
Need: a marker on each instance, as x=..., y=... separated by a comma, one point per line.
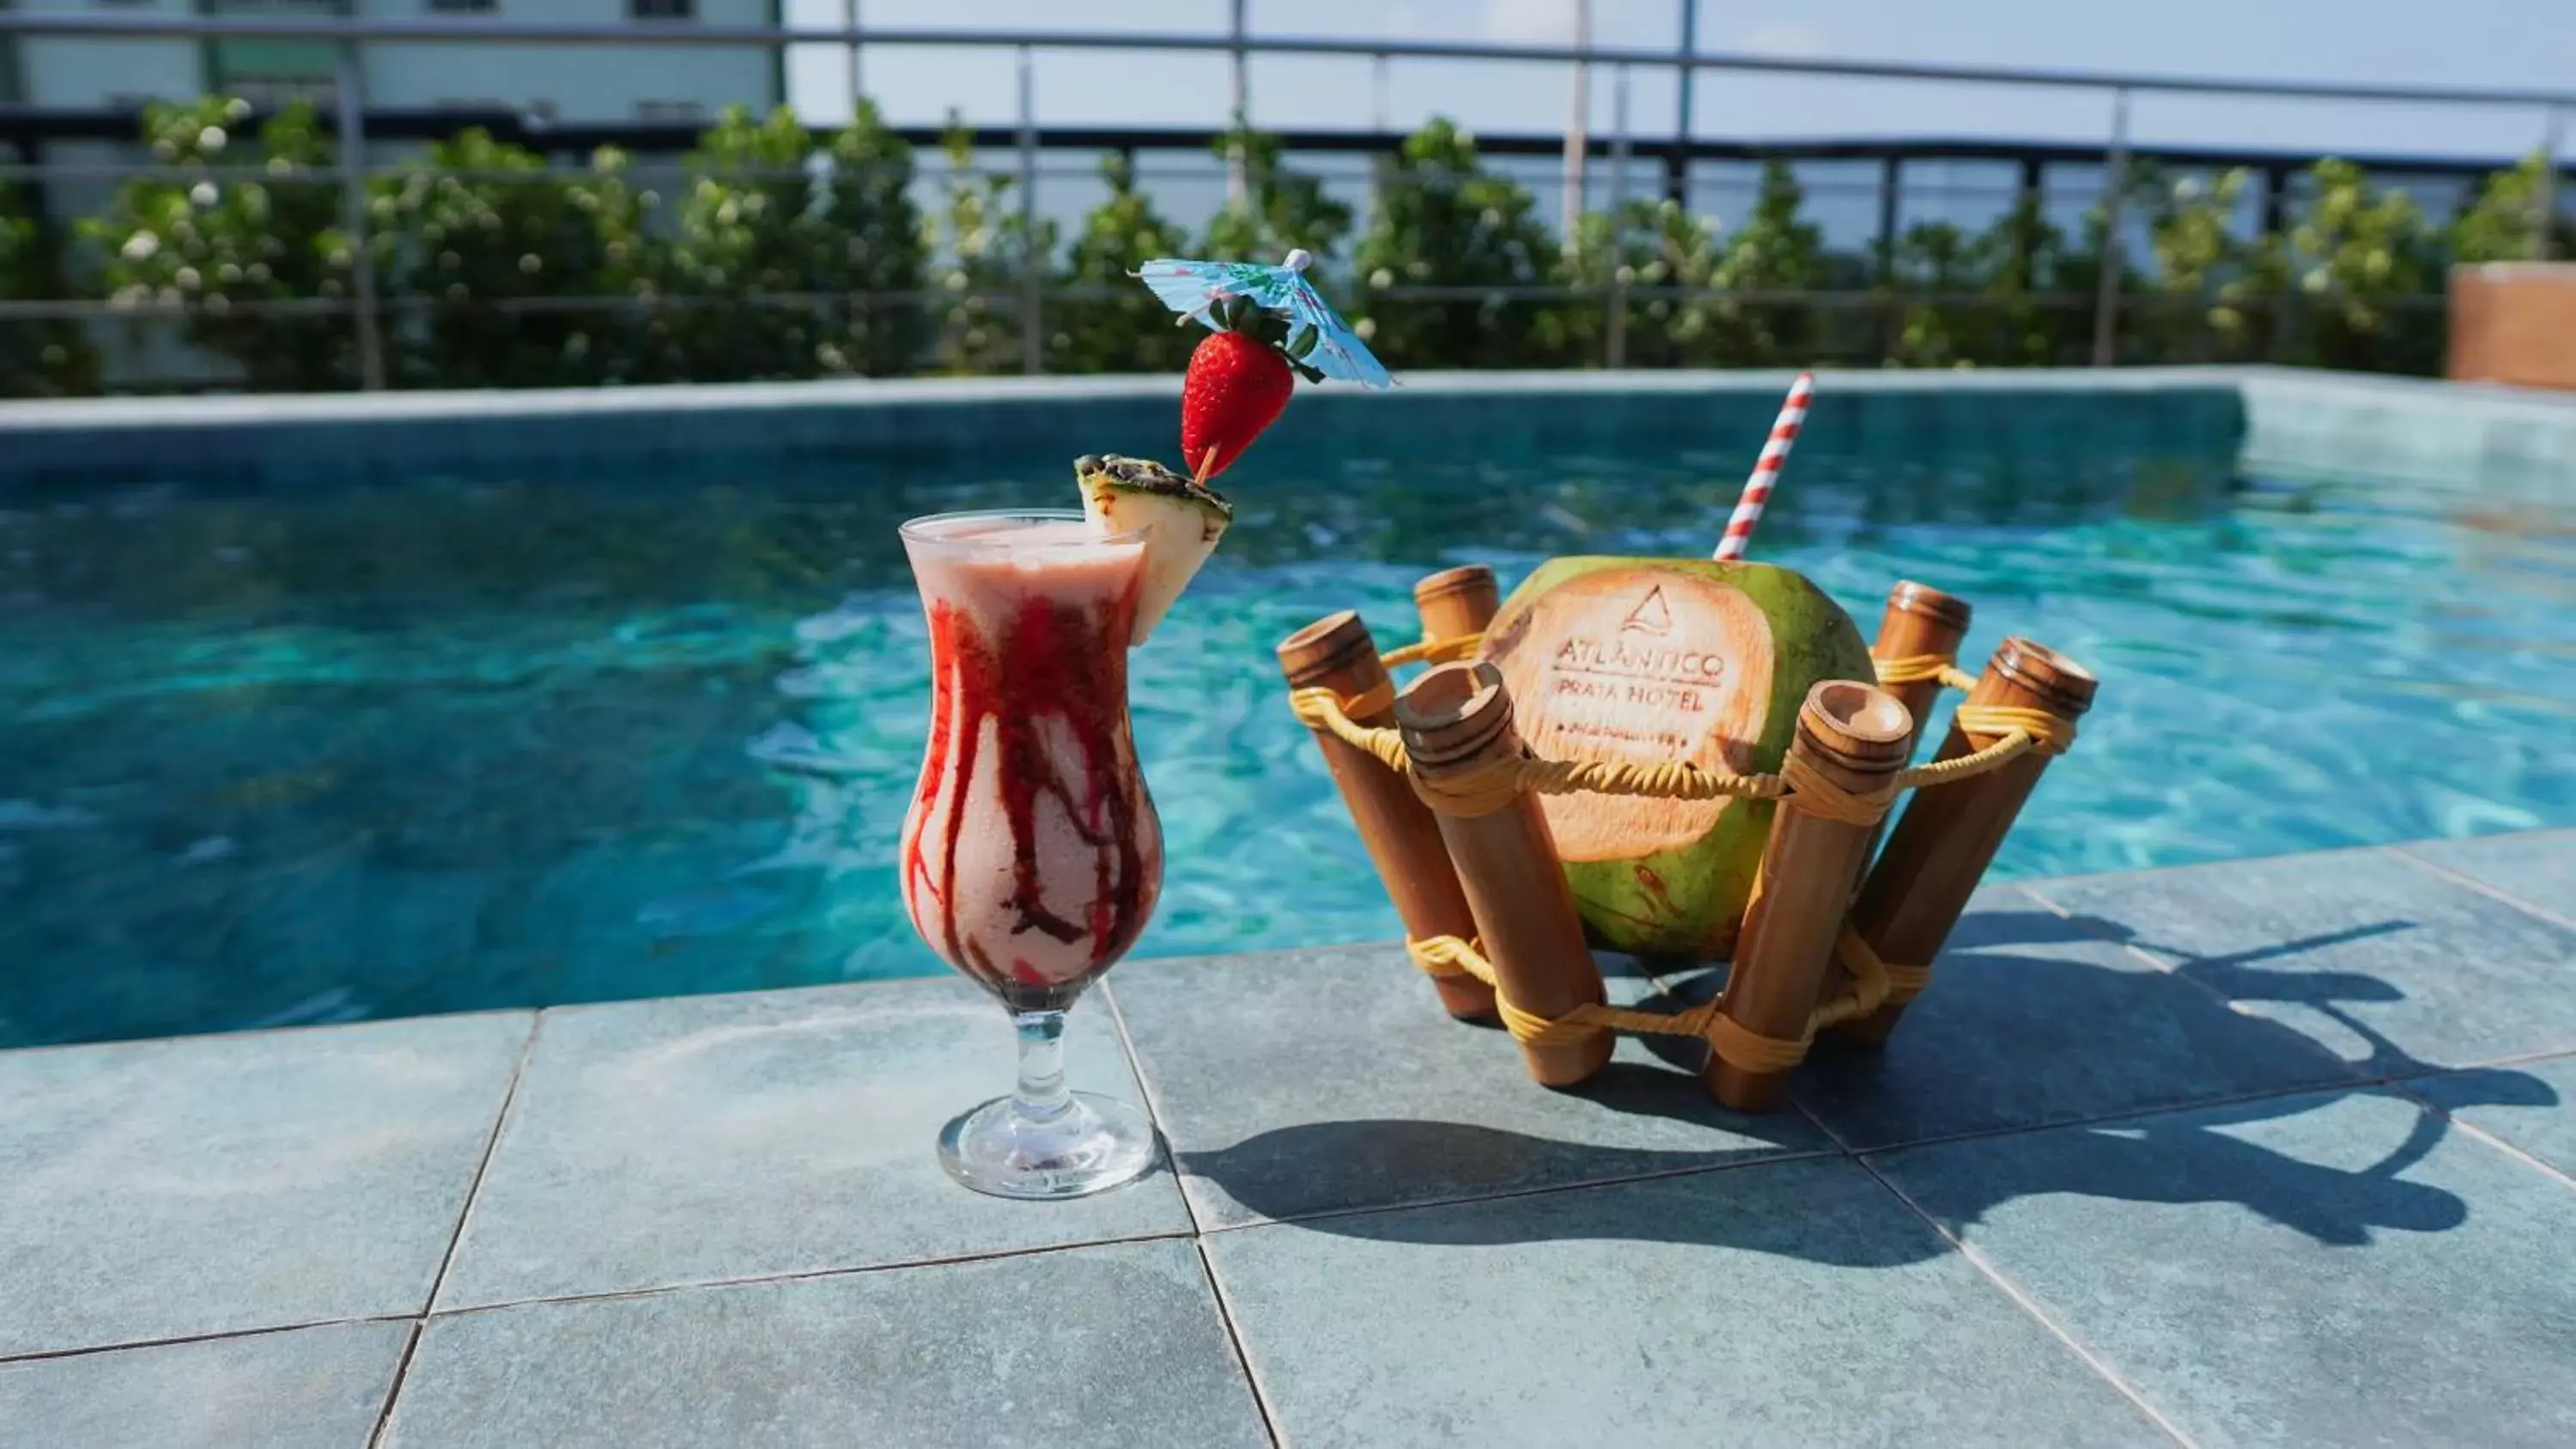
x=1942, y=845
x=1457, y=721
x=1402, y=837
x=1445, y=801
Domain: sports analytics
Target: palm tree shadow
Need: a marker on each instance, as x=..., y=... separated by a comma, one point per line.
x=2017, y=979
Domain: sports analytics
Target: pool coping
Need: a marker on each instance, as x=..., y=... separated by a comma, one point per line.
x=2288, y=422
x=515, y=1262
x=252, y=410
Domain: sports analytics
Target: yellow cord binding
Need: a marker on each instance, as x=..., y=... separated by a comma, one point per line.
x=1873, y=984
x=1916, y=668
x=1484, y=791
x=1433, y=651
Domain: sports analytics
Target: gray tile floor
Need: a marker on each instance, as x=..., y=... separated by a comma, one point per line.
x=2272, y=1152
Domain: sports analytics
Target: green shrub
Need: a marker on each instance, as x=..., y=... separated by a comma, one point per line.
x=774, y=243
x=1108, y=321
x=229, y=248
x=1774, y=251
x=37, y=359
x=982, y=250
x=1443, y=220
x=1279, y=210
x=476, y=225
x=1668, y=260
x=872, y=242
x=2498, y=223
x=2355, y=253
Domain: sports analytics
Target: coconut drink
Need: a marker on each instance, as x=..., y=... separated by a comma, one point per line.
x=1645, y=661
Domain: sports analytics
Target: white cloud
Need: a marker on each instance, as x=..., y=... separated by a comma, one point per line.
x=1785, y=39
x=1530, y=22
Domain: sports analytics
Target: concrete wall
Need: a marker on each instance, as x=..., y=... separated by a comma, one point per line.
x=2514, y=322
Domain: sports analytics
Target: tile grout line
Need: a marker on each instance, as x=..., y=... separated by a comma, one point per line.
x=2354, y=1082
x=2510, y=1149
x=2029, y=1306
x=456, y=1236
x=1234, y=1337
x=1153, y=1109
x=43, y=1355
x=393, y=1386
x=2493, y=893
x=253, y=1033
x=807, y=1275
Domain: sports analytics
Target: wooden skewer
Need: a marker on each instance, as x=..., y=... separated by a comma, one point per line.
x=1207, y=460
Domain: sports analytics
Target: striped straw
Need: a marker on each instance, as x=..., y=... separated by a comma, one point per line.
x=1766, y=469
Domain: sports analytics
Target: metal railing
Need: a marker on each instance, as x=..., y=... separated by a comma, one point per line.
x=1676, y=151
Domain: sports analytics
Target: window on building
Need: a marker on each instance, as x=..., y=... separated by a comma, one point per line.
x=662, y=9
x=670, y=112
x=464, y=7
x=268, y=72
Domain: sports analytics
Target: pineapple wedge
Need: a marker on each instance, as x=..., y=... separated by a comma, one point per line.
x=1182, y=523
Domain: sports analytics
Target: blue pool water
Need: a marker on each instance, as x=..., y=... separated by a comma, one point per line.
x=405, y=745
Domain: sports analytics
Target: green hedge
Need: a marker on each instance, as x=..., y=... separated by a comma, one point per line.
x=780, y=255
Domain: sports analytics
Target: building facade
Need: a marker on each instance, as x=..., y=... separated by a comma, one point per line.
x=596, y=83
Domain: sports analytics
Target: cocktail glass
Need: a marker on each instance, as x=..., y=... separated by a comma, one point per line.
x=1031, y=856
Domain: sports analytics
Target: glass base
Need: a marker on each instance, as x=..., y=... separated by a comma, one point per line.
x=1095, y=1144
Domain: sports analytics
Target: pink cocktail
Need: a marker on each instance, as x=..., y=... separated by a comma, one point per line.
x=1032, y=856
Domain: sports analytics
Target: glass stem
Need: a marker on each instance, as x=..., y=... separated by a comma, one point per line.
x=1042, y=1096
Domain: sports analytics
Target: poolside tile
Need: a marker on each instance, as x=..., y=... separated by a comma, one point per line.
x=1790, y=1303
x=2328, y=1269
x=2034, y=1019
x=1113, y=1346
x=2537, y=868
x=2529, y=1104
x=203, y=1185
x=1312, y=1081
x=699, y=1140
x=2384, y=962
x=307, y=1388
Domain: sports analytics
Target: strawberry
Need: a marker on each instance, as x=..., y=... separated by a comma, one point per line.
x=1237, y=385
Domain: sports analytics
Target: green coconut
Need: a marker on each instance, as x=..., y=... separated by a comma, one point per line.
x=1647, y=660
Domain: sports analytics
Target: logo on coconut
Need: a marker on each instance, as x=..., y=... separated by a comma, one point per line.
x=1653, y=616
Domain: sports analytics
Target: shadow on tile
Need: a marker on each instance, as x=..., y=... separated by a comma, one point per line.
x=2343, y=1268
x=2034, y=1019
x=1256, y=1062
x=2178, y=1159
x=2396, y=970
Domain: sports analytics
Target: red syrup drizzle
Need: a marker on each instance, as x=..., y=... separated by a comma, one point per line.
x=1060, y=668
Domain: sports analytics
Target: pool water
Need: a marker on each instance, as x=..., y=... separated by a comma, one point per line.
x=408, y=745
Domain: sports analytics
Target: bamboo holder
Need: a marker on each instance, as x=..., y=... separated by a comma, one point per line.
x=1457, y=602
x=1857, y=737
x=1949, y=833
x=1457, y=721
x=1919, y=620
x=1400, y=832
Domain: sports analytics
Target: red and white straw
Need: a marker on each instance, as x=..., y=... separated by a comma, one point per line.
x=1766, y=469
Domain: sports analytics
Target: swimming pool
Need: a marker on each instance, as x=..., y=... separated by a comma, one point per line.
x=374, y=744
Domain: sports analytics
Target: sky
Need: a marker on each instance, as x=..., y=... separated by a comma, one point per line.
x=2474, y=43
x=2464, y=43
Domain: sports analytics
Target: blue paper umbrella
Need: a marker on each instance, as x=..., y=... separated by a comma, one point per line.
x=1194, y=289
